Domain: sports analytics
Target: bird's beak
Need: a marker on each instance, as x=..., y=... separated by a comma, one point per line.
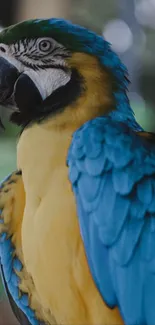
x=17, y=90
x=8, y=76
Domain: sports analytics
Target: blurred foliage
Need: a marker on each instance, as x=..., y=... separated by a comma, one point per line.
x=8, y=140
x=2, y=294
x=7, y=156
x=144, y=116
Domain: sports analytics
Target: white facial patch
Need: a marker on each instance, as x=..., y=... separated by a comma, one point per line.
x=48, y=80
x=10, y=58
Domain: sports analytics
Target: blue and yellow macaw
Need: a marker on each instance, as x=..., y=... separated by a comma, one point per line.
x=77, y=220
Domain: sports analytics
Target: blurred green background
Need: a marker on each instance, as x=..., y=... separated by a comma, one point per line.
x=129, y=25
x=8, y=151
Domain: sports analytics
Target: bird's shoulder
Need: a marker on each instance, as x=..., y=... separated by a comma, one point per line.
x=103, y=144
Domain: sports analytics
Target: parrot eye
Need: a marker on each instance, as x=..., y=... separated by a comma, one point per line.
x=45, y=45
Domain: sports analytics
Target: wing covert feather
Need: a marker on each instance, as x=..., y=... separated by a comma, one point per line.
x=112, y=171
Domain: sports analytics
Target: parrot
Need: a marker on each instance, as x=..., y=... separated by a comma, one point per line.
x=77, y=216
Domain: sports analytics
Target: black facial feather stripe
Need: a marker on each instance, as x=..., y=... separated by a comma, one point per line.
x=53, y=66
x=42, y=65
x=16, y=48
x=27, y=47
x=28, y=65
x=62, y=55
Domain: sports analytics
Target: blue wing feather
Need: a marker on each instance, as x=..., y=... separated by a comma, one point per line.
x=9, y=264
x=113, y=180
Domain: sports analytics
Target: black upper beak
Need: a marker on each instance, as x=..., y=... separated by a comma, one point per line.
x=8, y=77
x=18, y=91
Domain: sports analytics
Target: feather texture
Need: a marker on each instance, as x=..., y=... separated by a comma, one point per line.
x=9, y=265
x=114, y=189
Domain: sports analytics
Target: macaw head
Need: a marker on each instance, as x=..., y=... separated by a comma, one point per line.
x=51, y=68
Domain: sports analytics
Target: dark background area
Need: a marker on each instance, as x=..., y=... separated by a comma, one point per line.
x=7, y=12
